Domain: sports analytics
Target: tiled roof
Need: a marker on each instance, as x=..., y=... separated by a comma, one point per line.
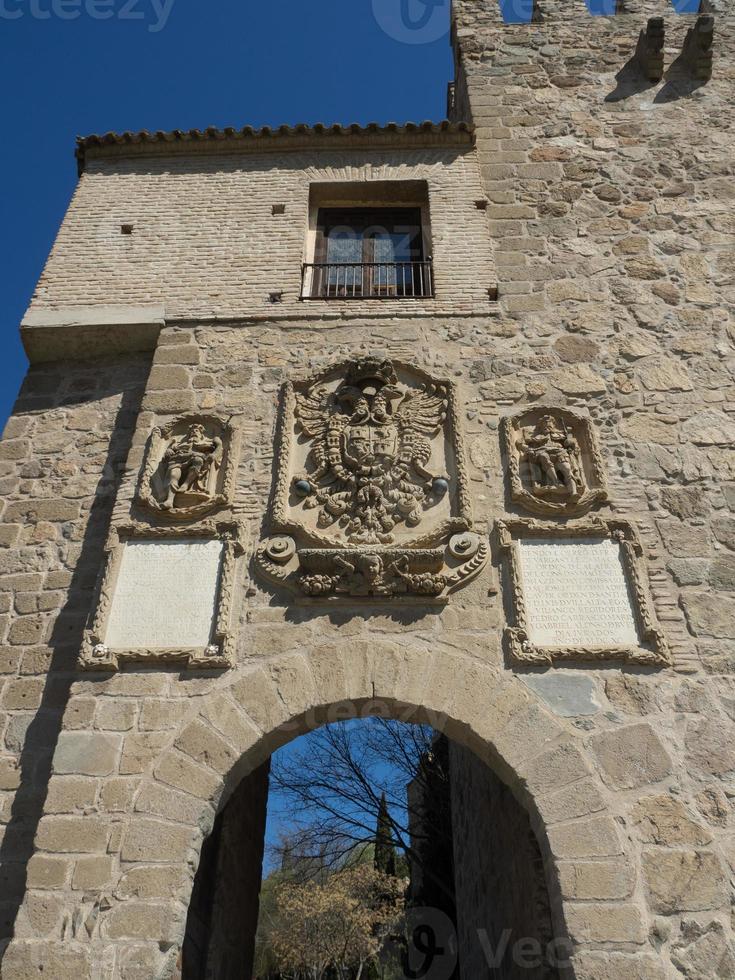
x=267, y=137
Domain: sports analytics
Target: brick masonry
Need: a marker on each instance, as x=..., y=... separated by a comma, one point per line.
x=610, y=233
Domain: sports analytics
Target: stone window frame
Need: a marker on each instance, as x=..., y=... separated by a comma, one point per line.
x=219, y=654
x=523, y=653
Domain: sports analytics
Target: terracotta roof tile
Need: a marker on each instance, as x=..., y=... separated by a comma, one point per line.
x=263, y=137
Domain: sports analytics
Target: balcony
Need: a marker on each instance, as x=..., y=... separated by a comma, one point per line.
x=367, y=280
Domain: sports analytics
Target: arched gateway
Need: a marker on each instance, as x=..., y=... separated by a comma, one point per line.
x=250, y=714
x=431, y=420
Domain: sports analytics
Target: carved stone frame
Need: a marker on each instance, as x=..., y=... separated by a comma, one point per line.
x=95, y=655
x=593, y=463
x=523, y=653
x=280, y=523
x=151, y=462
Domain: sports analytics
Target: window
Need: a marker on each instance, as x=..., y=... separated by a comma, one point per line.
x=368, y=252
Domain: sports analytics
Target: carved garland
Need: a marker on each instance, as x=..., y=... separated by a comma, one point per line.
x=95, y=655
x=523, y=653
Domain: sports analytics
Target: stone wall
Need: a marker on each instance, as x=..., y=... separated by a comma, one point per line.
x=503, y=911
x=223, y=915
x=613, y=241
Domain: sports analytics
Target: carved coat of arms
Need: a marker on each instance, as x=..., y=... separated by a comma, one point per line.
x=371, y=480
x=371, y=441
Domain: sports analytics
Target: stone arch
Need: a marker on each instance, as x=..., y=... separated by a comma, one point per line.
x=491, y=712
x=248, y=714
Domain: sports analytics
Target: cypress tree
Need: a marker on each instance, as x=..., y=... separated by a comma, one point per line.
x=385, y=852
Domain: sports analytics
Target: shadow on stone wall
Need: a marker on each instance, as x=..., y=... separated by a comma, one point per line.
x=39, y=744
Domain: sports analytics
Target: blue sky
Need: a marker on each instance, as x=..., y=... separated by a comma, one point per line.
x=71, y=67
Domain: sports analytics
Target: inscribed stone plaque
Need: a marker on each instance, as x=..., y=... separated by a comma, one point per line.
x=576, y=593
x=165, y=595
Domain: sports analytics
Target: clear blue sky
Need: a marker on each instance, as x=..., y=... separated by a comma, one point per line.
x=71, y=67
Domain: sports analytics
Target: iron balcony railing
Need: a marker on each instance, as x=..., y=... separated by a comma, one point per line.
x=367, y=280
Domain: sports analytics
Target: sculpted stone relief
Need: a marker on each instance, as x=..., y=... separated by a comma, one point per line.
x=553, y=461
x=189, y=467
x=371, y=487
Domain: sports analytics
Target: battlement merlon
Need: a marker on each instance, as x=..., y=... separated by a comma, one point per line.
x=469, y=13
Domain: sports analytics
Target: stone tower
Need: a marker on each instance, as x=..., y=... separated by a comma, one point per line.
x=473, y=468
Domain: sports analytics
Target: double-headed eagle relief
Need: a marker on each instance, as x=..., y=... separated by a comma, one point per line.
x=371, y=443
x=371, y=497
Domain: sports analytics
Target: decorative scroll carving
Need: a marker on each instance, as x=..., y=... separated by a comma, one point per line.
x=96, y=654
x=651, y=648
x=189, y=467
x=650, y=49
x=364, y=572
x=553, y=460
x=370, y=485
x=697, y=51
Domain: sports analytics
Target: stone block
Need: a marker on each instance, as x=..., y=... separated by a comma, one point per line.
x=67, y=794
x=161, y=801
x=710, y=615
x=596, y=880
x=684, y=880
x=116, y=795
x=86, y=753
x=23, y=694
x=140, y=750
x=157, y=881
x=631, y=757
x=601, y=965
x=70, y=835
x=602, y=922
x=141, y=920
x=92, y=872
x=152, y=841
x=709, y=746
x=207, y=747
x=568, y=695
x=596, y=837
x=29, y=960
x=666, y=820
x=47, y=872
x=579, y=799
x=178, y=770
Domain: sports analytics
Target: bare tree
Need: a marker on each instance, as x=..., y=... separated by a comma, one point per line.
x=330, y=791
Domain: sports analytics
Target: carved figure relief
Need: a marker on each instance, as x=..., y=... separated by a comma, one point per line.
x=553, y=461
x=189, y=467
x=370, y=486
